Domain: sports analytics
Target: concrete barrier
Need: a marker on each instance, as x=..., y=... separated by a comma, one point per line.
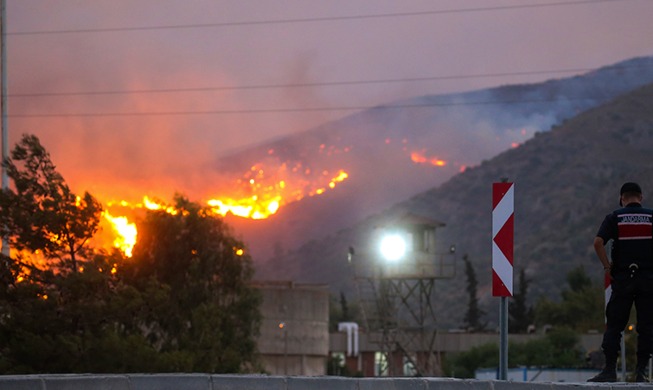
x=263, y=382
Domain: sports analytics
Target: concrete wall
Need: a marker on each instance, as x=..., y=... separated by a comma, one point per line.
x=234, y=382
x=294, y=337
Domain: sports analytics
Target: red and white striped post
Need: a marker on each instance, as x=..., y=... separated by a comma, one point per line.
x=503, y=205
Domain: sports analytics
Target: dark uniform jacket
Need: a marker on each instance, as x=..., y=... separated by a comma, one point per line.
x=631, y=230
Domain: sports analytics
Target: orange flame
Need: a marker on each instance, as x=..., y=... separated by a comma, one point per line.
x=258, y=194
x=126, y=233
x=419, y=157
x=263, y=194
x=246, y=208
x=153, y=205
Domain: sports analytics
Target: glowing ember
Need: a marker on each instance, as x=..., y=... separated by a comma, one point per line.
x=342, y=176
x=420, y=158
x=126, y=233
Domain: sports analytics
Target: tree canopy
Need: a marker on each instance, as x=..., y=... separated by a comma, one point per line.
x=203, y=272
x=41, y=213
x=579, y=310
x=581, y=307
x=558, y=348
x=183, y=302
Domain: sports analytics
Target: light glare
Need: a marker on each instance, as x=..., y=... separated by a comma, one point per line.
x=393, y=247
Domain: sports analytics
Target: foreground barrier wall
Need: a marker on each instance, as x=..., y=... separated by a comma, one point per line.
x=258, y=382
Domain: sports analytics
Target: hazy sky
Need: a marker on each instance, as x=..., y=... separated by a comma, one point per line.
x=201, y=78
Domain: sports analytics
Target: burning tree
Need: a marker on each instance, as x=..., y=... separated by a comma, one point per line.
x=210, y=311
x=42, y=214
x=182, y=303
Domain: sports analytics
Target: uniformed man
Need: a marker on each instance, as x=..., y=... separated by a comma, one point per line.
x=631, y=272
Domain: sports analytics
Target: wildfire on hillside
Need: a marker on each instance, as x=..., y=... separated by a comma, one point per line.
x=258, y=194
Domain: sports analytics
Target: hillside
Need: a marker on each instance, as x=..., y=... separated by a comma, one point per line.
x=397, y=150
x=565, y=179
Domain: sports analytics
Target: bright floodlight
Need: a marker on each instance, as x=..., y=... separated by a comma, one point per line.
x=393, y=247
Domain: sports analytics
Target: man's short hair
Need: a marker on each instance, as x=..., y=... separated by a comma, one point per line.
x=630, y=189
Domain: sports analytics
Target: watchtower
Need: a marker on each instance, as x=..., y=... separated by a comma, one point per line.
x=395, y=277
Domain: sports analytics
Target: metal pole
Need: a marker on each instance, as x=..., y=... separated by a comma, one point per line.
x=3, y=53
x=3, y=103
x=285, y=350
x=623, y=356
x=503, y=339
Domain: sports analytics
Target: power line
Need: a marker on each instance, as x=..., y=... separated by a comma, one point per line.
x=292, y=85
x=311, y=19
x=298, y=110
x=314, y=84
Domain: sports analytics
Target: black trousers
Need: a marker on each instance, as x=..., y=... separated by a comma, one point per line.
x=629, y=289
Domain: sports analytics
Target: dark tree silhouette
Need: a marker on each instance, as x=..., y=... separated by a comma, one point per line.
x=474, y=314
x=521, y=316
x=41, y=213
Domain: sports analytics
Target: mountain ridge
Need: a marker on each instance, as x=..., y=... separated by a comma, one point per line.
x=375, y=146
x=566, y=181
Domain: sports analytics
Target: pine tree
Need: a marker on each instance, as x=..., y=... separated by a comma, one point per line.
x=521, y=316
x=344, y=307
x=473, y=317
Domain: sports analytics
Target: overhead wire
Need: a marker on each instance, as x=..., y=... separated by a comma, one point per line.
x=301, y=85
x=311, y=19
x=289, y=85
x=298, y=109
x=304, y=109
